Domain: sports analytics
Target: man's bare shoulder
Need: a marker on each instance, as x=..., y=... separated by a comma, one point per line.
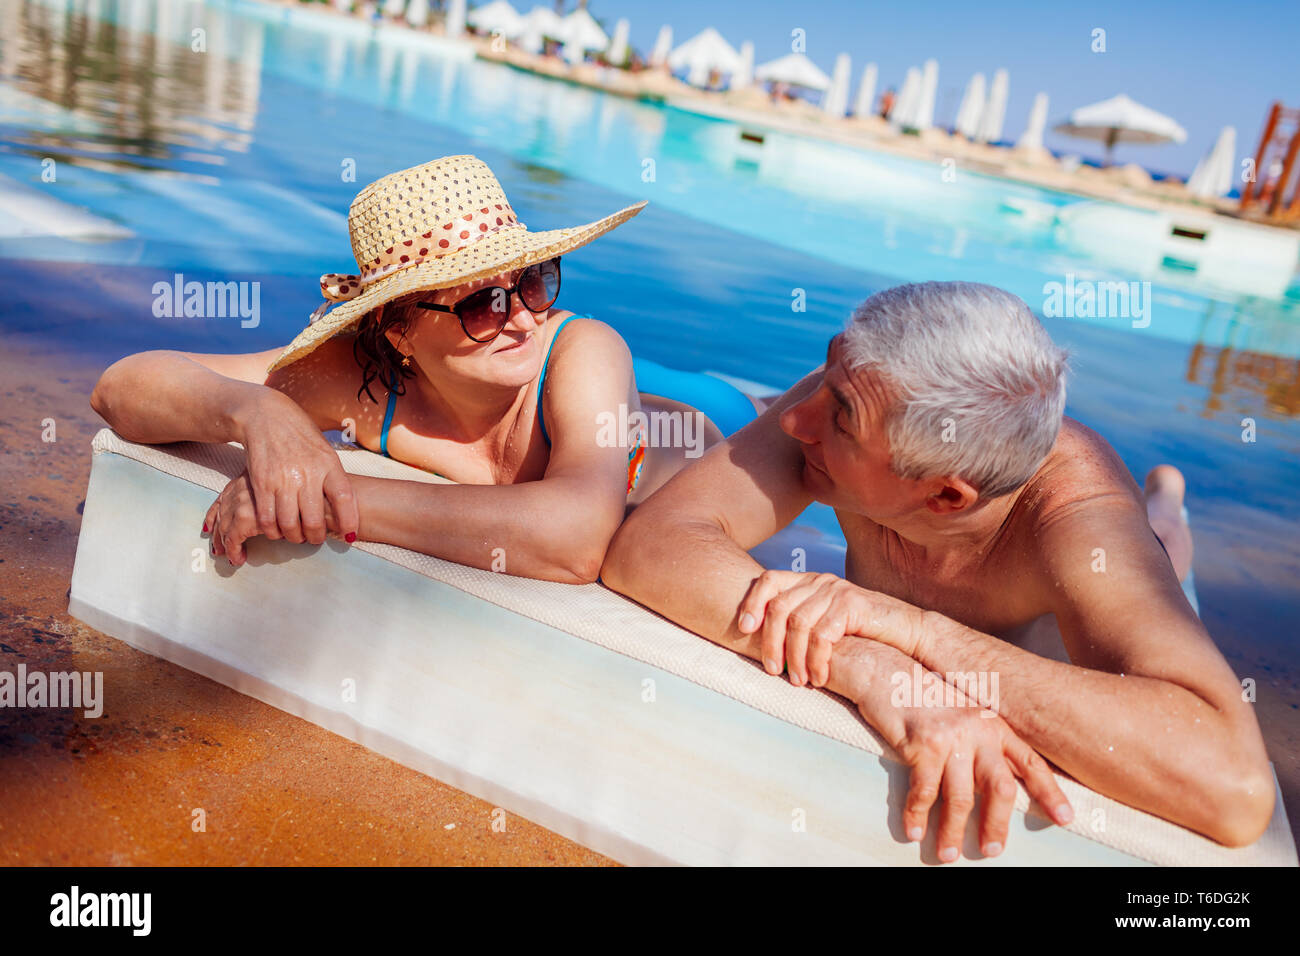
x=1082, y=475
x=1080, y=510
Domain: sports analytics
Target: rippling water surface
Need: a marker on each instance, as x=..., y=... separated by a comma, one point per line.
x=144, y=138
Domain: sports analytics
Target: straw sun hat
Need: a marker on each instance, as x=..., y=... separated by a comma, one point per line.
x=431, y=227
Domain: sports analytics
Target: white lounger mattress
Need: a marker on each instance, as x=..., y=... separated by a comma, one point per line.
x=567, y=705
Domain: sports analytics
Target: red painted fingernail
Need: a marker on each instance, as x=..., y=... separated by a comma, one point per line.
x=350, y=537
x=205, y=527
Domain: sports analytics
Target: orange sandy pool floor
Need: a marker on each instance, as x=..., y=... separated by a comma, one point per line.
x=123, y=788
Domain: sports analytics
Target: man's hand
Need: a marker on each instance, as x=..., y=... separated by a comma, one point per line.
x=954, y=751
x=960, y=751
x=803, y=615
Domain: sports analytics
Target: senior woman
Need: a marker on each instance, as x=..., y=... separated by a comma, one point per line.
x=451, y=318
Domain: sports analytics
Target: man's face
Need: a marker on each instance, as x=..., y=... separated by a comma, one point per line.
x=841, y=427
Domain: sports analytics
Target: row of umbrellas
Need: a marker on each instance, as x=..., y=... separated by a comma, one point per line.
x=980, y=115
x=578, y=32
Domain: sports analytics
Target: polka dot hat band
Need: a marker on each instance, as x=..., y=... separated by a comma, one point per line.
x=431, y=227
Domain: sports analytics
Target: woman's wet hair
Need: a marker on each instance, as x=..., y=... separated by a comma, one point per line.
x=376, y=355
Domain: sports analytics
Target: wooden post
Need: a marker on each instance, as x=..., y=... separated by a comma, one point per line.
x=1293, y=210
x=1270, y=126
x=1288, y=164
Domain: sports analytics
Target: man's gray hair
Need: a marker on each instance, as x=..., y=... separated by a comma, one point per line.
x=978, y=385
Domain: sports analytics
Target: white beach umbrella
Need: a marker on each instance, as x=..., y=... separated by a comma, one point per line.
x=394, y=8
x=971, y=108
x=417, y=13
x=1212, y=176
x=582, y=33
x=866, y=91
x=924, y=117
x=835, y=100
x=703, y=54
x=497, y=17
x=530, y=39
x=900, y=115
x=454, y=22
x=539, y=23
x=1032, y=137
x=995, y=109
x=617, y=52
x=794, y=69
x=545, y=21
x=744, y=75
x=1121, y=120
x=663, y=44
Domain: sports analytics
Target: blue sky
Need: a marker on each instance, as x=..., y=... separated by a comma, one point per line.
x=1206, y=64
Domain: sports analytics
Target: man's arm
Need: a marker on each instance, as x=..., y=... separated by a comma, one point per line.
x=683, y=553
x=1148, y=711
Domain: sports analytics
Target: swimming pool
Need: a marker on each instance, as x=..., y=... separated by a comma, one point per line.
x=239, y=162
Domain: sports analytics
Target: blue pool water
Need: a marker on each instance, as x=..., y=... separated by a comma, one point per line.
x=234, y=163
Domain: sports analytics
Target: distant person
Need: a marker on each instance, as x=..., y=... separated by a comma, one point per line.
x=887, y=103
x=479, y=376
x=980, y=523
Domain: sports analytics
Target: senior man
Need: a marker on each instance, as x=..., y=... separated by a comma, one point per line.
x=978, y=519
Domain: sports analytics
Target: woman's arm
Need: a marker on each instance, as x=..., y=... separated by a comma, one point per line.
x=555, y=529
x=537, y=529
x=156, y=397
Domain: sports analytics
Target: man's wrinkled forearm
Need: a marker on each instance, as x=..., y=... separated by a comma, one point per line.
x=1145, y=741
x=863, y=671
x=698, y=577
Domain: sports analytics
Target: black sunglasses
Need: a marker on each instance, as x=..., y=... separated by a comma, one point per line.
x=484, y=312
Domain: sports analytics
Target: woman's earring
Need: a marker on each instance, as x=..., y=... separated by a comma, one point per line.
x=406, y=361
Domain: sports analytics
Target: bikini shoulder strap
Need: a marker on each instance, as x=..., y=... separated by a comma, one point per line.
x=388, y=418
x=541, y=379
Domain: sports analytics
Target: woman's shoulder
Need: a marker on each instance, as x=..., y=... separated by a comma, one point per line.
x=325, y=382
x=585, y=338
x=588, y=370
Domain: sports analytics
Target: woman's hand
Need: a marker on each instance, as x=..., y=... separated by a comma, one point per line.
x=232, y=519
x=292, y=475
